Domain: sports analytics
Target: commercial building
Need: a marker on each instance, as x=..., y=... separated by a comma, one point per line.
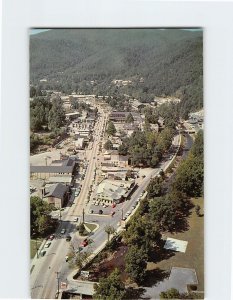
x=58, y=167
x=56, y=194
x=113, y=191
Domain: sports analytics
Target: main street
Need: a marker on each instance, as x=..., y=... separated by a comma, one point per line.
x=44, y=276
x=44, y=283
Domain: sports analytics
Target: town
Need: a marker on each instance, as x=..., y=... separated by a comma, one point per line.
x=93, y=189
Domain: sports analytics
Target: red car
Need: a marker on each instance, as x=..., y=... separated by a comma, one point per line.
x=51, y=237
x=113, y=205
x=84, y=243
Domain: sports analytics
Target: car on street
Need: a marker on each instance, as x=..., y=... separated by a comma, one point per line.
x=42, y=253
x=47, y=244
x=113, y=205
x=100, y=211
x=68, y=238
x=66, y=258
x=76, y=219
x=63, y=231
x=91, y=211
x=51, y=237
x=112, y=213
x=127, y=214
x=124, y=218
x=84, y=243
x=79, y=249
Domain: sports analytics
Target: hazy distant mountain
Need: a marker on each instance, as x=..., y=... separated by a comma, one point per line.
x=170, y=61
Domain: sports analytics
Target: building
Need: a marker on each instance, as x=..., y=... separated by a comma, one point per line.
x=58, y=167
x=72, y=116
x=113, y=191
x=79, y=144
x=111, y=158
x=56, y=194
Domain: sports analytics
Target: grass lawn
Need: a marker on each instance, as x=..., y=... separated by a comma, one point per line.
x=91, y=227
x=194, y=255
x=33, y=247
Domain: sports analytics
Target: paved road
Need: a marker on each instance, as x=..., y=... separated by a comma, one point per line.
x=43, y=277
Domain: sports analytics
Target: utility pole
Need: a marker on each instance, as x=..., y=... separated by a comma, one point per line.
x=122, y=214
x=83, y=215
x=58, y=281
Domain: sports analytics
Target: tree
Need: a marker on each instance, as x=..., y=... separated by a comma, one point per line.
x=110, y=288
x=41, y=221
x=135, y=264
x=129, y=118
x=32, y=91
x=154, y=189
x=56, y=115
x=109, y=230
x=170, y=294
x=143, y=233
x=81, y=229
x=111, y=130
x=108, y=145
x=175, y=294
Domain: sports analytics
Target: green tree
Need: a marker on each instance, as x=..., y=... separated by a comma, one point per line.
x=143, y=233
x=81, y=229
x=108, y=145
x=110, y=288
x=32, y=91
x=155, y=187
x=135, y=264
x=56, y=115
x=41, y=221
x=170, y=294
x=111, y=130
x=109, y=230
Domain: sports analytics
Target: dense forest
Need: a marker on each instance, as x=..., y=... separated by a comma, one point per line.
x=157, y=62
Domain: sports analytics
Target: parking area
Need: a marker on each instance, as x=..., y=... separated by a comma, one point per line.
x=97, y=208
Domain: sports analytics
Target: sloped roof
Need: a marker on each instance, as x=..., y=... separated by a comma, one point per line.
x=67, y=166
x=57, y=190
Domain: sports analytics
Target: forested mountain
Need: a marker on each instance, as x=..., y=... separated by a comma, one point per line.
x=87, y=60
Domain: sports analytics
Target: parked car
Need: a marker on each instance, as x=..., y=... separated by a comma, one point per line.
x=51, y=237
x=47, y=244
x=112, y=213
x=76, y=219
x=68, y=238
x=63, y=231
x=91, y=211
x=42, y=253
x=84, y=243
x=100, y=211
x=113, y=205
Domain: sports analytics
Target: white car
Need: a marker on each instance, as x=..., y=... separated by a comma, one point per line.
x=63, y=231
x=47, y=244
x=76, y=219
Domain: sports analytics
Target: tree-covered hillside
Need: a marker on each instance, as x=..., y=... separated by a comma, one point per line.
x=87, y=60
